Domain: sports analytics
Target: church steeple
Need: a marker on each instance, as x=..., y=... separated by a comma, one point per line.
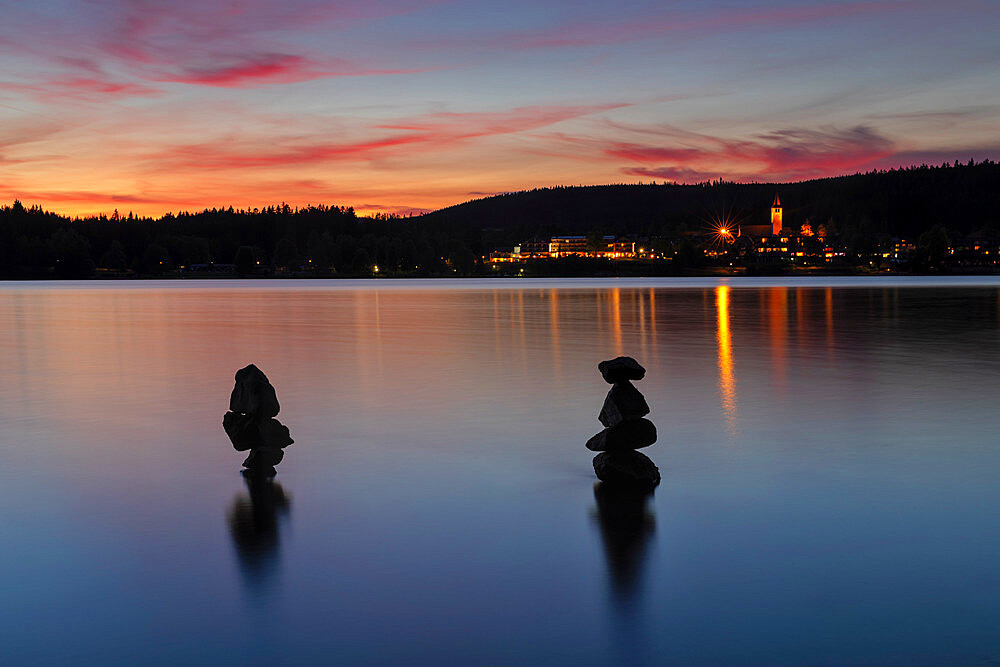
x=776, y=216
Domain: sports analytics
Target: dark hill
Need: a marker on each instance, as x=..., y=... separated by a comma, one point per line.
x=963, y=198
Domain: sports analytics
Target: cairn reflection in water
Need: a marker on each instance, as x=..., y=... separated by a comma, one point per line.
x=250, y=422
x=627, y=525
x=254, y=519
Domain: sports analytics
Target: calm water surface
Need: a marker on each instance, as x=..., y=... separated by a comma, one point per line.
x=828, y=450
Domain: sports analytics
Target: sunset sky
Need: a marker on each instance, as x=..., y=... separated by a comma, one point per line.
x=411, y=105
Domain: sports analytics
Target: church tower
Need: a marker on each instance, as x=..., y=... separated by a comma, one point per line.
x=776, y=216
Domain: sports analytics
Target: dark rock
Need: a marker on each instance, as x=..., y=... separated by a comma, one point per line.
x=623, y=403
x=247, y=432
x=262, y=461
x=274, y=434
x=626, y=468
x=625, y=436
x=242, y=430
x=620, y=369
x=253, y=394
x=250, y=423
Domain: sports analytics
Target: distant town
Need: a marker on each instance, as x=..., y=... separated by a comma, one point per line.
x=727, y=246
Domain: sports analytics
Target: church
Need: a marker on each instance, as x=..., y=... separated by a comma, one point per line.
x=776, y=216
x=773, y=229
x=776, y=242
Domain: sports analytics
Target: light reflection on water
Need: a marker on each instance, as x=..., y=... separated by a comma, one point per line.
x=828, y=457
x=727, y=378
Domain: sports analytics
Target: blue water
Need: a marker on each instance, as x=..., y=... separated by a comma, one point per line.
x=827, y=447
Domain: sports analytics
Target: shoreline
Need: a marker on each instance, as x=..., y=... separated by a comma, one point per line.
x=656, y=282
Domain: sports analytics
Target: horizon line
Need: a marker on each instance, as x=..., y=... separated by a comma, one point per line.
x=373, y=211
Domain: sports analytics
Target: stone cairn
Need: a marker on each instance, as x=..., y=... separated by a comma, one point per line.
x=250, y=422
x=626, y=430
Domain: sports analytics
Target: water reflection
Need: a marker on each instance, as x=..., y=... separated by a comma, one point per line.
x=254, y=524
x=626, y=525
x=616, y=319
x=828, y=309
x=816, y=527
x=777, y=310
x=554, y=334
x=727, y=378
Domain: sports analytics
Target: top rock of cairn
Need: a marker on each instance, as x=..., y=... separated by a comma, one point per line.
x=253, y=394
x=621, y=369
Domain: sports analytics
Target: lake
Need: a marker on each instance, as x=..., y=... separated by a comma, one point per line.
x=828, y=451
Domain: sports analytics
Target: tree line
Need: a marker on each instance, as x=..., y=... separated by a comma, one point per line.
x=277, y=240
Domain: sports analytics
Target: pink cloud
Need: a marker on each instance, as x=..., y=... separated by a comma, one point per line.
x=429, y=132
x=80, y=88
x=221, y=43
x=185, y=42
x=780, y=154
x=270, y=68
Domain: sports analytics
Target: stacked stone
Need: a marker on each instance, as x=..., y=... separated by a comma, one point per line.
x=250, y=422
x=626, y=428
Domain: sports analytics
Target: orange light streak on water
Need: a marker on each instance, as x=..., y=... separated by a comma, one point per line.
x=652, y=316
x=777, y=306
x=616, y=319
x=727, y=376
x=829, y=319
x=554, y=333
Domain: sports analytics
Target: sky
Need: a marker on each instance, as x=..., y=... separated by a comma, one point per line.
x=404, y=106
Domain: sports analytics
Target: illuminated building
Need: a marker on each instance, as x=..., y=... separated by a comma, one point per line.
x=608, y=247
x=804, y=246
x=566, y=246
x=533, y=247
x=776, y=216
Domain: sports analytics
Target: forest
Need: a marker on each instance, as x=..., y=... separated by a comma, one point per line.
x=317, y=240
x=333, y=241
